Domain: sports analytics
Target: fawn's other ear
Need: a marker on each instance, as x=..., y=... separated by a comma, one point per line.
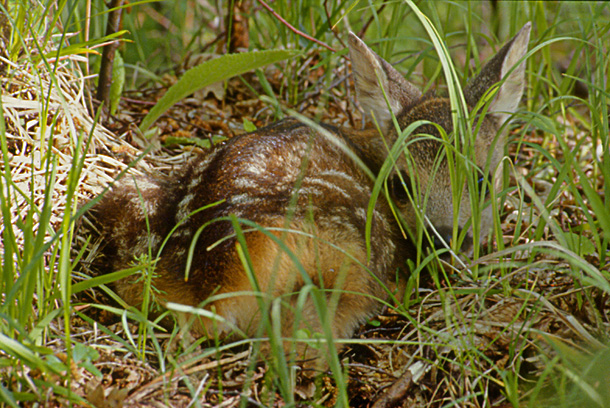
x=371, y=73
x=509, y=95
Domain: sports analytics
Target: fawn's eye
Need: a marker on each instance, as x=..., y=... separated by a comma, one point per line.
x=400, y=188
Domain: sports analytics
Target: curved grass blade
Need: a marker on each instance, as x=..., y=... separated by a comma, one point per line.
x=213, y=71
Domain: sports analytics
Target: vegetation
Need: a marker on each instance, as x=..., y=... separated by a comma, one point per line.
x=524, y=323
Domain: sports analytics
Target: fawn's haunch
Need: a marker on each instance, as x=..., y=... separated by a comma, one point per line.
x=311, y=198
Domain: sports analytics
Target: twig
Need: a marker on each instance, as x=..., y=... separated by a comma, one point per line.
x=368, y=23
x=293, y=29
x=330, y=26
x=176, y=375
x=237, y=26
x=105, y=77
x=396, y=393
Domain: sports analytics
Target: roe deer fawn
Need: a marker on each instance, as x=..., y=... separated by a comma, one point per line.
x=302, y=185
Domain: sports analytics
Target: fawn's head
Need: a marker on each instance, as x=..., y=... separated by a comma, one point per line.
x=424, y=176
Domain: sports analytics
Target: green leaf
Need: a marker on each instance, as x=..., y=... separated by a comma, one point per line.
x=24, y=353
x=203, y=143
x=209, y=72
x=9, y=397
x=249, y=126
x=374, y=323
x=118, y=81
x=579, y=244
x=105, y=279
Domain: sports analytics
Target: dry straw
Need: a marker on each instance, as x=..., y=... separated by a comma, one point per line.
x=45, y=107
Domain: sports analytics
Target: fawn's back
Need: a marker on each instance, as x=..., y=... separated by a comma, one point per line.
x=302, y=204
x=307, y=193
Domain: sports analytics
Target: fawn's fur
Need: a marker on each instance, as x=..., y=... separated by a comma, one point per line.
x=312, y=198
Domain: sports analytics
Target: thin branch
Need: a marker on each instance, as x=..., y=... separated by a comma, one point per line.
x=293, y=29
x=330, y=26
x=368, y=23
x=105, y=76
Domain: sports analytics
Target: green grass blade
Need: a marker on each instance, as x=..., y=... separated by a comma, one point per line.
x=23, y=352
x=218, y=69
x=105, y=279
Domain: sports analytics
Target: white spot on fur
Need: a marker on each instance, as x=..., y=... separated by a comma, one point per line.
x=186, y=201
x=182, y=232
x=143, y=207
x=328, y=185
x=143, y=243
x=349, y=180
x=338, y=222
x=238, y=212
x=244, y=183
x=180, y=252
x=361, y=213
x=311, y=191
x=258, y=164
x=244, y=199
x=382, y=219
x=140, y=183
x=184, y=207
x=195, y=181
x=203, y=165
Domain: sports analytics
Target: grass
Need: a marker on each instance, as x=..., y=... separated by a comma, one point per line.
x=526, y=324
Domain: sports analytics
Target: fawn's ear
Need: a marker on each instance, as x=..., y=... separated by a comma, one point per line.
x=372, y=73
x=511, y=90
